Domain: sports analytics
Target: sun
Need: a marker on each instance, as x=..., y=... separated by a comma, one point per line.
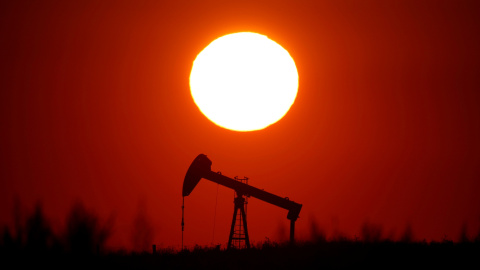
x=244, y=81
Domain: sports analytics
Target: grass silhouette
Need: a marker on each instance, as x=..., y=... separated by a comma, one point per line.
x=82, y=246
x=307, y=255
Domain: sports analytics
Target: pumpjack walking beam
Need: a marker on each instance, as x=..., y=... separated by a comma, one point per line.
x=201, y=168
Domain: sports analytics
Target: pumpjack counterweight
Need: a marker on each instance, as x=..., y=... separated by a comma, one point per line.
x=201, y=168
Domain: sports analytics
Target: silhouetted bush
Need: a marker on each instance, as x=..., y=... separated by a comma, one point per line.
x=142, y=230
x=39, y=234
x=477, y=238
x=371, y=232
x=407, y=235
x=7, y=243
x=18, y=224
x=270, y=255
x=317, y=234
x=84, y=234
x=463, y=238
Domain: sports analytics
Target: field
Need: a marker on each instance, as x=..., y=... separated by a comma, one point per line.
x=307, y=255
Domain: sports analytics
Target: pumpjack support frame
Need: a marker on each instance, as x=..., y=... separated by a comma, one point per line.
x=239, y=203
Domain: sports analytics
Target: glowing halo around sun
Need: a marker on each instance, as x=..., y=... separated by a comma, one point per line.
x=244, y=81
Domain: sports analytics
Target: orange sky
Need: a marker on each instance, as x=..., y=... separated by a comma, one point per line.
x=95, y=106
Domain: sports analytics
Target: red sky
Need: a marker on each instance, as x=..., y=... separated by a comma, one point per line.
x=95, y=106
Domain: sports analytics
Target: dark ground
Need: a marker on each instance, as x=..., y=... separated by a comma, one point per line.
x=319, y=255
x=32, y=244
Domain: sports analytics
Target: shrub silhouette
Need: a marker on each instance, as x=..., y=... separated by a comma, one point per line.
x=317, y=234
x=142, y=230
x=371, y=232
x=39, y=235
x=463, y=238
x=7, y=243
x=407, y=235
x=84, y=235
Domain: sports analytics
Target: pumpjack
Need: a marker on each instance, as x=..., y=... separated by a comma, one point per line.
x=201, y=168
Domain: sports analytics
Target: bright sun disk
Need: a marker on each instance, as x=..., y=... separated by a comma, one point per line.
x=244, y=81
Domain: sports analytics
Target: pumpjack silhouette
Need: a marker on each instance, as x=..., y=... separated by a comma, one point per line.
x=201, y=168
